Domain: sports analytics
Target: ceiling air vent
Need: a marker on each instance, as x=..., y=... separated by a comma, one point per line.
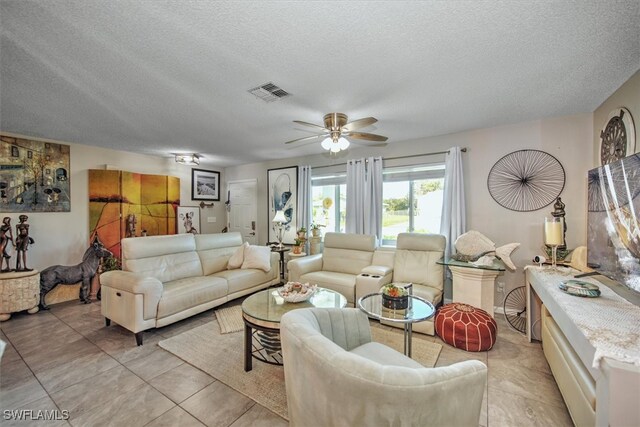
x=269, y=92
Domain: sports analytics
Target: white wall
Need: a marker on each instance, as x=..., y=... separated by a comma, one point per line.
x=62, y=238
x=568, y=138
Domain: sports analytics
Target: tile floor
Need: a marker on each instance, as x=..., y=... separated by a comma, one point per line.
x=67, y=359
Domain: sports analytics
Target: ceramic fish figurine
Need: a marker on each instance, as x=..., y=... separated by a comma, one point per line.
x=472, y=245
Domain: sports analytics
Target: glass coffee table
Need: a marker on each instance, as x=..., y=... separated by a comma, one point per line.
x=261, y=313
x=418, y=310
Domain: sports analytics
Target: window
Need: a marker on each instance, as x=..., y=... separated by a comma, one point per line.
x=329, y=202
x=412, y=200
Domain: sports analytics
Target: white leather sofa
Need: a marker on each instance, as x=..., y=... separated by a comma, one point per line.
x=336, y=376
x=345, y=256
x=169, y=278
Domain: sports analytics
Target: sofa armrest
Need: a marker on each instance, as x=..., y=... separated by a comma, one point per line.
x=134, y=283
x=131, y=282
x=377, y=270
x=300, y=266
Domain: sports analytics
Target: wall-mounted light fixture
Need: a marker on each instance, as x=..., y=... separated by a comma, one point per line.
x=188, y=159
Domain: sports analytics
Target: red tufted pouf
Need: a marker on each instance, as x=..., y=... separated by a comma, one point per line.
x=466, y=327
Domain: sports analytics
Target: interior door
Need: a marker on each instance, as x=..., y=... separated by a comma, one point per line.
x=243, y=209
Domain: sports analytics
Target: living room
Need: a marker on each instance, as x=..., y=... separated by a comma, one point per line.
x=88, y=78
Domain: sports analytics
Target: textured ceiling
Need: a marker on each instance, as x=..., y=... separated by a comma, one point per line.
x=172, y=76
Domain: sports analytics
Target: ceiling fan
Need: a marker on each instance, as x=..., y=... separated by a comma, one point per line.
x=336, y=130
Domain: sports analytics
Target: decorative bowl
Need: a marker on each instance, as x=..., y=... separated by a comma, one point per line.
x=579, y=288
x=296, y=292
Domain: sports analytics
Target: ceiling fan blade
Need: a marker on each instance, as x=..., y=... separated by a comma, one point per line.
x=370, y=144
x=306, y=138
x=311, y=124
x=360, y=123
x=366, y=136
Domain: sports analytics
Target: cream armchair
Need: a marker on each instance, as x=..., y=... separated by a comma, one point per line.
x=345, y=256
x=336, y=376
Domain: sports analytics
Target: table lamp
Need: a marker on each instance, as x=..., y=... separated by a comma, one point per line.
x=278, y=222
x=553, y=236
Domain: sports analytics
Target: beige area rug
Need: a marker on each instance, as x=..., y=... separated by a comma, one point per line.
x=222, y=357
x=230, y=319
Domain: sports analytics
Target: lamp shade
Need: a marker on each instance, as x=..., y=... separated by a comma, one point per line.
x=279, y=217
x=326, y=144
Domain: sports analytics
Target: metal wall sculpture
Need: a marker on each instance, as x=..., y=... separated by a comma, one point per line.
x=34, y=176
x=526, y=180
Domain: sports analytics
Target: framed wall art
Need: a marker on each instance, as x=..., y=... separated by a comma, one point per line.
x=205, y=185
x=282, y=188
x=34, y=176
x=188, y=219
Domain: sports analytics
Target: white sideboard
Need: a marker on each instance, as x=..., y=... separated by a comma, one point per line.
x=594, y=359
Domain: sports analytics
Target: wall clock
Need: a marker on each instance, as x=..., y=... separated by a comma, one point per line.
x=617, y=138
x=526, y=180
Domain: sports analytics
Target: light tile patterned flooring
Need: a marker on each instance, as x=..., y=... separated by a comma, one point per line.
x=67, y=359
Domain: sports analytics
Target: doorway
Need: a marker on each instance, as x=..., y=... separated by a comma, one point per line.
x=243, y=209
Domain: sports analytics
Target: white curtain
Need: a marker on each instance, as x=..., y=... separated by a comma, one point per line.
x=304, y=196
x=373, y=198
x=364, y=196
x=454, y=214
x=356, y=178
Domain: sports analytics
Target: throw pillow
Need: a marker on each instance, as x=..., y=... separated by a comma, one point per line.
x=257, y=257
x=237, y=258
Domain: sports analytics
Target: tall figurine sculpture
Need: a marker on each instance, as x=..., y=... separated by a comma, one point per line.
x=131, y=225
x=6, y=235
x=558, y=212
x=22, y=243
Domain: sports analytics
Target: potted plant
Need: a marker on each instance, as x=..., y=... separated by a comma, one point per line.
x=315, y=229
x=394, y=296
x=302, y=233
x=297, y=246
x=106, y=264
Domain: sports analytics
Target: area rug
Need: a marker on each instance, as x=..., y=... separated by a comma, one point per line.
x=230, y=319
x=222, y=357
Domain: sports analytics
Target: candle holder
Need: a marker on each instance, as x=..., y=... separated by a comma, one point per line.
x=553, y=236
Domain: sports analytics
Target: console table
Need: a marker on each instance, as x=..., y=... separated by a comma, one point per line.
x=591, y=345
x=472, y=284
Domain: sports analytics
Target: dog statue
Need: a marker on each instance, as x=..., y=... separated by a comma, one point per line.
x=52, y=276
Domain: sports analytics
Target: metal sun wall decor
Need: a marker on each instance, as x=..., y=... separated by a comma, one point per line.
x=526, y=180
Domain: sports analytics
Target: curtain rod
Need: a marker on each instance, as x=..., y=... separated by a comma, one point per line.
x=464, y=150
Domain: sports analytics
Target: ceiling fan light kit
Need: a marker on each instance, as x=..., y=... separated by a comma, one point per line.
x=337, y=128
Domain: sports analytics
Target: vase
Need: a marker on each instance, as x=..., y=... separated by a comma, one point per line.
x=297, y=249
x=395, y=303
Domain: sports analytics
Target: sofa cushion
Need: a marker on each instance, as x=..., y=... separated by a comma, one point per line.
x=153, y=246
x=418, y=267
x=385, y=355
x=257, y=257
x=345, y=260
x=239, y=280
x=433, y=295
x=183, y=294
x=237, y=258
x=219, y=240
x=340, y=282
x=167, y=267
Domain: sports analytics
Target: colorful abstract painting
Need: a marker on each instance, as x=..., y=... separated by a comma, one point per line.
x=125, y=204
x=34, y=176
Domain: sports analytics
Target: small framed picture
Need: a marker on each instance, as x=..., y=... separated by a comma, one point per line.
x=205, y=185
x=188, y=219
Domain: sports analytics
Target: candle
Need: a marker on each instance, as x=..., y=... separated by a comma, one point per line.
x=553, y=229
